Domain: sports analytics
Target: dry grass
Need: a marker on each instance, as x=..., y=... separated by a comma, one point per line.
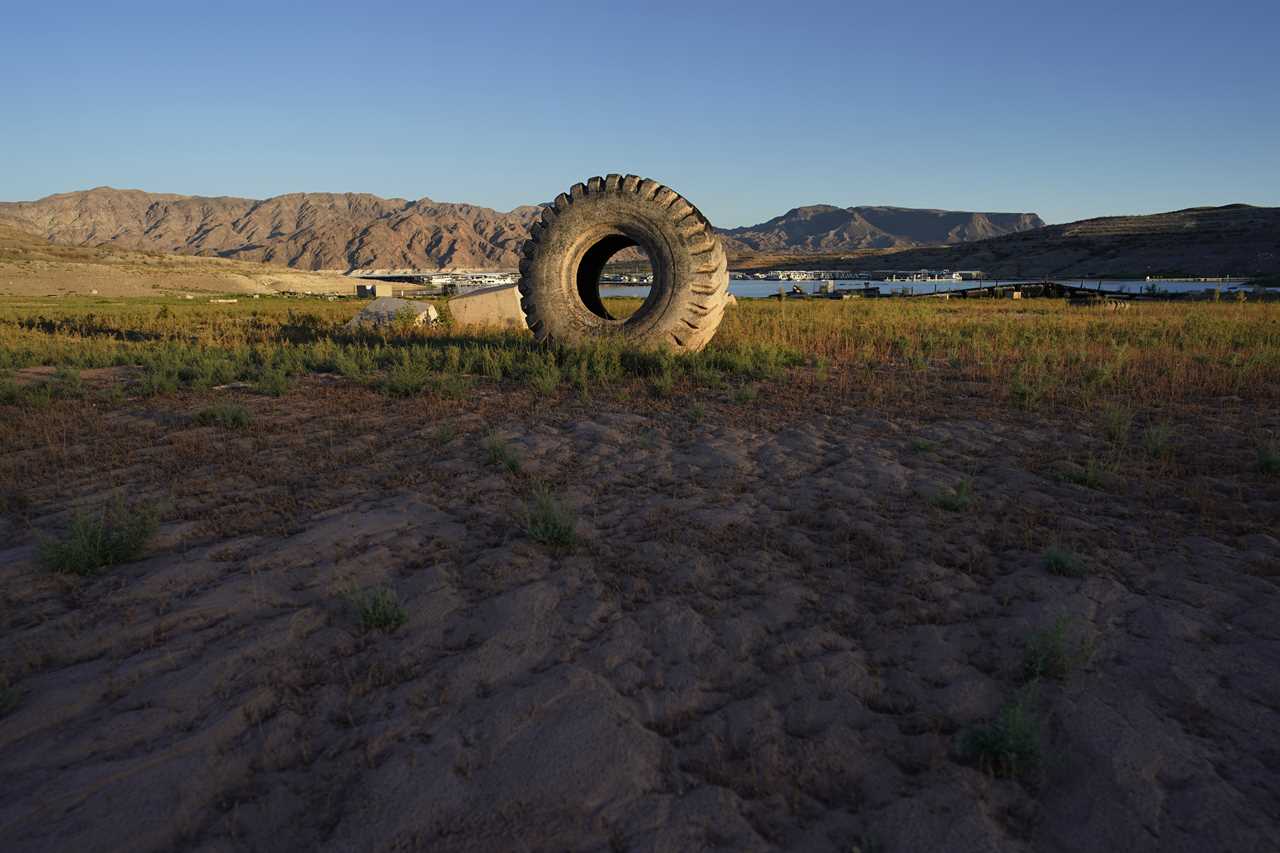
x=1146, y=379
x=1034, y=355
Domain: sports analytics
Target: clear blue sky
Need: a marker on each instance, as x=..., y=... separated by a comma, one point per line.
x=1068, y=109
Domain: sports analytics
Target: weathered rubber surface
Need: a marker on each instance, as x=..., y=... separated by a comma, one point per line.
x=579, y=231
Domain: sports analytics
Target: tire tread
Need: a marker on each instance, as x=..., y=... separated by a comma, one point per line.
x=692, y=321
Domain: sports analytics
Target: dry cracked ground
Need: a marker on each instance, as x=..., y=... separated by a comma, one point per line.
x=780, y=626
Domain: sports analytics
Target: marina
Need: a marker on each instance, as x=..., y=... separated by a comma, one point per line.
x=836, y=284
x=874, y=288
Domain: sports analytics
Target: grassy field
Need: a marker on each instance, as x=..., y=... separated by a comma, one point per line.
x=1030, y=354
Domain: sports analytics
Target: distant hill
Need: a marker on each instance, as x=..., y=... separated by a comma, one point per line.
x=32, y=266
x=1237, y=240
x=823, y=228
x=304, y=230
x=356, y=230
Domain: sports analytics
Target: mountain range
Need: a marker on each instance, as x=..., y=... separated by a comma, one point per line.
x=824, y=228
x=344, y=231
x=1236, y=240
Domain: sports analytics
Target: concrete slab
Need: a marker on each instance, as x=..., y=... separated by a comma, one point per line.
x=387, y=311
x=489, y=307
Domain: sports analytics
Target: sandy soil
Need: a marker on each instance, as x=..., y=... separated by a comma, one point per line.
x=31, y=266
x=770, y=637
x=78, y=280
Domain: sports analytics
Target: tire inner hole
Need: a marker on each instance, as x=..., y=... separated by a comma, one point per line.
x=630, y=271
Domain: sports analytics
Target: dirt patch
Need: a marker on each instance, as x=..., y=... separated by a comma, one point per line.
x=30, y=266
x=97, y=377
x=773, y=631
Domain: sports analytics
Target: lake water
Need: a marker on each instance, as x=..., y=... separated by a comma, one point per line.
x=757, y=289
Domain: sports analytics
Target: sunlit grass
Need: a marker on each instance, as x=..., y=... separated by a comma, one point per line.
x=1032, y=355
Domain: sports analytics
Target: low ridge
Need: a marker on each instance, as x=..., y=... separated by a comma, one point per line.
x=1232, y=240
x=824, y=228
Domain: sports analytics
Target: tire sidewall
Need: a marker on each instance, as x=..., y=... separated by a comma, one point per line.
x=550, y=284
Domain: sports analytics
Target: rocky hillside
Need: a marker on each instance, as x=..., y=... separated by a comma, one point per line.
x=353, y=230
x=823, y=228
x=1235, y=240
x=306, y=230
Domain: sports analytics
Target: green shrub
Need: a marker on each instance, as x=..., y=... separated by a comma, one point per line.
x=1269, y=458
x=451, y=386
x=225, y=415
x=406, y=377
x=1091, y=475
x=545, y=378
x=378, y=609
x=549, y=521
x=956, y=499
x=1010, y=744
x=1063, y=563
x=94, y=542
x=1027, y=393
x=500, y=453
x=703, y=374
x=1117, y=420
x=272, y=382
x=662, y=384
x=9, y=698
x=1157, y=440
x=353, y=363
x=158, y=380
x=582, y=380
x=1050, y=654
x=67, y=383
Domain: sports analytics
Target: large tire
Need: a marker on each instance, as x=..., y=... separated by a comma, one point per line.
x=579, y=231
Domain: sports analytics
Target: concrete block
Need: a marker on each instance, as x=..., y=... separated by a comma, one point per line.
x=489, y=307
x=388, y=312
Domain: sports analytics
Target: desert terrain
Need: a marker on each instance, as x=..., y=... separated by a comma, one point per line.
x=865, y=577
x=31, y=266
x=600, y=428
